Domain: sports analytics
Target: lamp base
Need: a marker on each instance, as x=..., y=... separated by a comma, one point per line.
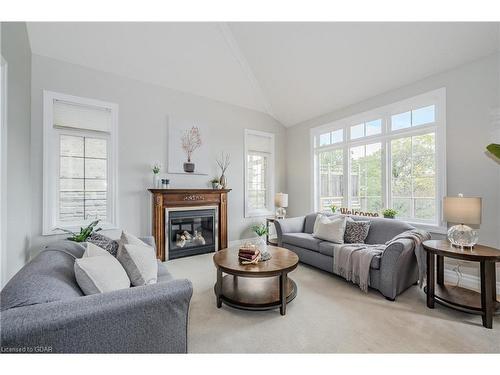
x=462, y=236
x=280, y=213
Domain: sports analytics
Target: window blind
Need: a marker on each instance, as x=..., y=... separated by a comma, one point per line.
x=259, y=143
x=76, y=116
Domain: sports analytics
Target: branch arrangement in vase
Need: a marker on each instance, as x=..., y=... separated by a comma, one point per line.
x=223, y=163
x=191, y=141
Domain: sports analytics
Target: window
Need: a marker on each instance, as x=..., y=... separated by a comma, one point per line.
x=79, y=162
x=393, y=157
x=259, y=177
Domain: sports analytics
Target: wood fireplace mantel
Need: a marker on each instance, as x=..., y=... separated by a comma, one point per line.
x=165, y=198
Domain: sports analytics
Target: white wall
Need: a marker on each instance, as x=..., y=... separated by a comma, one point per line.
x=472, y=95
x=16, y=51
x=143, y=110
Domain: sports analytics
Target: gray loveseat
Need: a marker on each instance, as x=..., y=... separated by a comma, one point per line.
x=391, y=273
x=44, y=310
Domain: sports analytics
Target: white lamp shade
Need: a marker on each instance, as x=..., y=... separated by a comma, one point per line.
x=462, y=210
x=281, y=200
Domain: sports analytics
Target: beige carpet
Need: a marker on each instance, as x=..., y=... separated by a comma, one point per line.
x=329, y=315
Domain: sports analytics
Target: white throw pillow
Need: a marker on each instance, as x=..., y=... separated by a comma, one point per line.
x=330, y=228
x=138, y=259
x=319, y=216
x=99, y=272
x=93, y=250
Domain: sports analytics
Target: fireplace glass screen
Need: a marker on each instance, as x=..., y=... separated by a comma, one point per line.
x=191, y=232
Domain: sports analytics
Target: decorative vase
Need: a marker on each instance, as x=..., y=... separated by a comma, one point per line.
x=389, y=217
x=156, y=181
x=261, y=244
x=223, y=181
x=215, y=185
x=188, y=167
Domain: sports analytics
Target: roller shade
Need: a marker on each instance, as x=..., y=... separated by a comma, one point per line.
x=259, y=143
x=76, y=116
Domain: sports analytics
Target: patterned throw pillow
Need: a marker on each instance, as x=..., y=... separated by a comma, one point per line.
x=106, y=243
x=356, y=231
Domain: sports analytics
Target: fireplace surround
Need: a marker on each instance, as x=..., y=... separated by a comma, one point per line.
x=191, y=210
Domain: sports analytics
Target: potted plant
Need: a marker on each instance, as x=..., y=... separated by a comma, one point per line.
x=215, y=182
x=191, y=141
x=84, y=232
x=156, y=168
x=494, y=149
x=333, y=208
x=389, y=213
x=260, y=230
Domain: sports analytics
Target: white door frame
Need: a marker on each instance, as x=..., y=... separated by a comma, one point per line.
x=3, y=170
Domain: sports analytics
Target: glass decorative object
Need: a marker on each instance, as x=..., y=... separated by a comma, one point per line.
x=463, y=211
x=462, y=236
x=261, y=244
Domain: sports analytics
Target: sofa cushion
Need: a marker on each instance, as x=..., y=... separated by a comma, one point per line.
x=100, y=272
x=309, y=223
x=139, y=261
x=356, y=231
x=48, y=277
x=383, y=230
x=330, y=229
x=305, y=240
x=104, y=242
x=327, y=248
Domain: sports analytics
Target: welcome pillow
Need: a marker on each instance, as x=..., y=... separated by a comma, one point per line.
x=138, y=259
x=99, y=272
x=330, y=228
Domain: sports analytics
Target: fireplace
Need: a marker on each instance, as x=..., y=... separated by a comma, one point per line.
x=191, y=231
x=184, y=206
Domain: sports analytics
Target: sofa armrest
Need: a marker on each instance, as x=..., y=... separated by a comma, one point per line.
x=150, y=319
x=290, y=225
x=397, y=267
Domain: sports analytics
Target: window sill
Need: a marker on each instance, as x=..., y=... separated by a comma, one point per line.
x=76, y=229
x=259, y=214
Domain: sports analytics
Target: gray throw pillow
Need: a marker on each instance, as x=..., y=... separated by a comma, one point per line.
x=356, y=231
x=106, y=243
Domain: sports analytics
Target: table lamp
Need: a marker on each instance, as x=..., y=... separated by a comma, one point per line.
x=281, y=201
x=460, y=210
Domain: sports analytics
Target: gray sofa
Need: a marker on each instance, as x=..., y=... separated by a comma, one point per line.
x=391, y=273
x=44, y=310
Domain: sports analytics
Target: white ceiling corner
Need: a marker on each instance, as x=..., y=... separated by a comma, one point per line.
x=240, y=57
x=293, y=71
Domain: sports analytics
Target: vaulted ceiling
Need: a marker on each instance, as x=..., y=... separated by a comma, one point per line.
x=292, y=71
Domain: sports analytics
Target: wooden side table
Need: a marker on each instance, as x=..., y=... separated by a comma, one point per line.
x=270, y=241
x=484, y=303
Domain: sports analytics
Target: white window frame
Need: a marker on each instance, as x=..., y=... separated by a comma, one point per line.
x=270, y=175
x=435, y=97
x=51, y=164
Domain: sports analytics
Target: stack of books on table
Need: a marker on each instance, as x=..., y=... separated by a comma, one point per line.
x=248, y=254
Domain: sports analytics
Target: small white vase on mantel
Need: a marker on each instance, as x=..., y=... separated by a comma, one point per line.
x=156, y=181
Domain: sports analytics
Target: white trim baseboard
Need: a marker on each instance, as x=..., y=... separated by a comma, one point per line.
x=466, y=280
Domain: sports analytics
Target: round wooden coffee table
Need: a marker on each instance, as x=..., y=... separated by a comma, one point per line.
x=261, y=286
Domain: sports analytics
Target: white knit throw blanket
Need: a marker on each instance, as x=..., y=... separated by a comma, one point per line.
x=417, y=236
x=352, y=262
